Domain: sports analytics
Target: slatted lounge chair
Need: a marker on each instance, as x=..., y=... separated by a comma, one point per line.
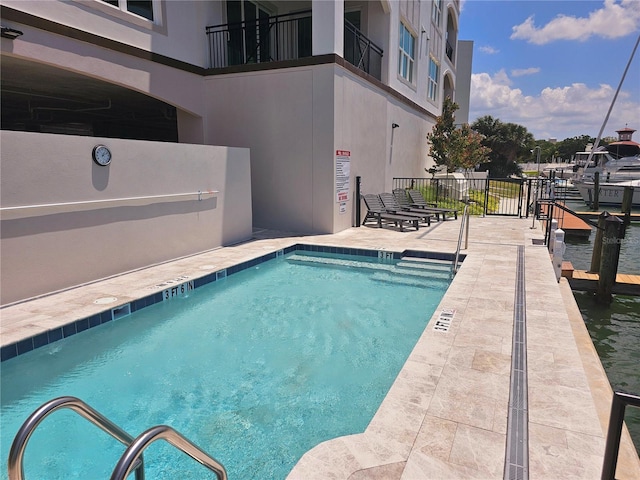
x=392, y=206
x=377, y=212
x=417, y=200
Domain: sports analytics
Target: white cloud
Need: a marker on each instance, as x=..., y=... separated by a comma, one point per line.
x=488, y=50
x=560, y=112
x=615, y=19
x=520, y=72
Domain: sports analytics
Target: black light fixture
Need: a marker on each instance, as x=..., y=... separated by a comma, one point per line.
x=394, y=125
x=10, y=33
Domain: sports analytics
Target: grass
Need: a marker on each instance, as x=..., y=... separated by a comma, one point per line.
x=476, y=199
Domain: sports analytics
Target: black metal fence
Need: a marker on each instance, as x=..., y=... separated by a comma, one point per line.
x=490, y=196
x=284, y=37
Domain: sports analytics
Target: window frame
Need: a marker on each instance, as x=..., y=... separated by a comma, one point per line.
x=436, y=12
x=406, y=60
x=433, y=83
x=123, y=6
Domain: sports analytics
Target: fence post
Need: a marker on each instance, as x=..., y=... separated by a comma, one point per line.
x=595, y=205
x=486, y=196
x=530, y=183
x=358, y=201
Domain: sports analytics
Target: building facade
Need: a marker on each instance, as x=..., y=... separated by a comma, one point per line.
x=294, y=81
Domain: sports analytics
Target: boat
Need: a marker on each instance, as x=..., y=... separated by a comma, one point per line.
x=618, y=166
x=610, y=193
x=617, y=162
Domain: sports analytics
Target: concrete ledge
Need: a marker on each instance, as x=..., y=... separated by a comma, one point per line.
x=628, y=461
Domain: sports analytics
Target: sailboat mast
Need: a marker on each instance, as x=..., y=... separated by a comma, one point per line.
x=595, y=146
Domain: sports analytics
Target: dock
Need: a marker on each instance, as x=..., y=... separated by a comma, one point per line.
x=626, y=284
x=571, y=224
x=634, y=217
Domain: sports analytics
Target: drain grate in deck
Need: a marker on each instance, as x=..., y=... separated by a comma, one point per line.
x=517, y=456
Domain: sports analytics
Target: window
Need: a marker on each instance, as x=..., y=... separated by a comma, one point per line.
x=436, y=11
x=434, y=74
x=142, y=8
x=406, y=57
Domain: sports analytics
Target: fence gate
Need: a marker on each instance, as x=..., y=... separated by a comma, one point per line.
x=506, y=196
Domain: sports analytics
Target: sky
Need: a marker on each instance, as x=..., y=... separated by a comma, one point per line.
x=553, y=66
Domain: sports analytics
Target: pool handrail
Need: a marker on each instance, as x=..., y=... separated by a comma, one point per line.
x=464, y=223
x=130, y=460
x=134, y=451
x=19, y=445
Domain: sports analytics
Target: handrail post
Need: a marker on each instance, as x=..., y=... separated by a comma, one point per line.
x=128, y=459
x=462, y=226
x=614, y=432
x=19, y=445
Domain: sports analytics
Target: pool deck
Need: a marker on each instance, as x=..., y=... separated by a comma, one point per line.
x=446, y=414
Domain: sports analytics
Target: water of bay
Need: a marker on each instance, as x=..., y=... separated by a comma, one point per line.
x=614, y=329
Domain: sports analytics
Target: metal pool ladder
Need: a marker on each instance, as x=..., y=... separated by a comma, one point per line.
x=130, y=460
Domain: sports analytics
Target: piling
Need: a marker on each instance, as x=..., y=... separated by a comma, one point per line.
x=595, y=205
x=597, y=244
x=611, y=241
x=627, y=200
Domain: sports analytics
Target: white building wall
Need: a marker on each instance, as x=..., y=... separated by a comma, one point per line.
x=178, y=33
x=463, y=77
x=56, y=248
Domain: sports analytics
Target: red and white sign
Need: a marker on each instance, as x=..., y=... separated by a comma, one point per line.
x=343, y=175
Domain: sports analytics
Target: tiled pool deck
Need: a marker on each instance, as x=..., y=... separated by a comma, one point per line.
x=446, y=414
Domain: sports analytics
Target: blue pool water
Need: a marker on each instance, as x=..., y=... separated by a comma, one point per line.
x=255, y=369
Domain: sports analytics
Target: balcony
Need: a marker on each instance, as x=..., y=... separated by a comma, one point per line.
x=284, y=37
x=449, y=51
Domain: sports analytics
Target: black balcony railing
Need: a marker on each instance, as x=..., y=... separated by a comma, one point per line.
x=362, y=52
x=283, y=37
x=449, y=51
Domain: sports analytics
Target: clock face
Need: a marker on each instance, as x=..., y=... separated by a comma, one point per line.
x=101, y=155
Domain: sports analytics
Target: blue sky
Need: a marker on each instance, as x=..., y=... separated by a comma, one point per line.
x=554, y=66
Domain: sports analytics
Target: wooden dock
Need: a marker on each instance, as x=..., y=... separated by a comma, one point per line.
x=626, y=284
x=634, y=217
x=569, y=223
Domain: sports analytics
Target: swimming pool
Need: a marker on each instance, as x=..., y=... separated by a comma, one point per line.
x=256, y=369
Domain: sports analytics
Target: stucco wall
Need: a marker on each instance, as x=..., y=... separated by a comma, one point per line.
x=294, y=120
x=58, y=248
x=363, y=125
x=286, y=118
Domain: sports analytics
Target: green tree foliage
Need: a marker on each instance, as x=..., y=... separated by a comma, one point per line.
x=569, y=146
x=442, y=135
x=452, y=147
x=509, y=144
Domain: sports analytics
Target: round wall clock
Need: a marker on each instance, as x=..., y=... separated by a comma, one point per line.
x=101, y=155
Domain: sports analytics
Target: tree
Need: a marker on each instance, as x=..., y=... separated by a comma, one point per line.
x=569, y=146
x=509, y=143
x=442, y=135
x=453, y=147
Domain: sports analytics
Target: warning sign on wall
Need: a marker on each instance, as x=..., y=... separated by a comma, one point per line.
x=343, y=172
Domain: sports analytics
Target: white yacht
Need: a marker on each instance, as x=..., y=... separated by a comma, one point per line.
x=618, y=166
x=609, y=193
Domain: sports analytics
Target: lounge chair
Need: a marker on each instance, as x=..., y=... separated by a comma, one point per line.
x=377, y=212
x=417, y=200
x=392, y=206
